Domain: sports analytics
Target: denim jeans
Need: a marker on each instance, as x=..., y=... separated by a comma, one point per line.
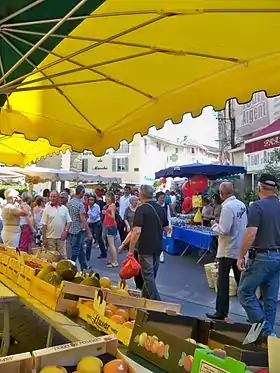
x=96, y=231
x=77, y=249
x=149, y=268
x=263, y=272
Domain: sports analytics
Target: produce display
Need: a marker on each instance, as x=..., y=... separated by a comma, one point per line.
x=123, y=316
x=91, y=364
x=182, y=220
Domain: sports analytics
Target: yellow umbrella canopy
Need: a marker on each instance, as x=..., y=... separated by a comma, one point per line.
x=134, y=64
x=16, y=150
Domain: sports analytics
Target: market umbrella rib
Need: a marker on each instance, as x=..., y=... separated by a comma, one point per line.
x=80, y=18
x=143, y=12
x=20, y=11
x=81, y=68
x=57, y=88
x=74, y=54
x=41, y=41
x=143, y=46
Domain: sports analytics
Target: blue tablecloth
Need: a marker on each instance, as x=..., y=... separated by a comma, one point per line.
x=202, y=240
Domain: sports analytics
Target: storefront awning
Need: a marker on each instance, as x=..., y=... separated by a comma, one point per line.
x=264, y=139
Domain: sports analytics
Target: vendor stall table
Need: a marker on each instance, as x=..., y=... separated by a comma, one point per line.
x=192, y=237
x=6, y=297
x=62, y=324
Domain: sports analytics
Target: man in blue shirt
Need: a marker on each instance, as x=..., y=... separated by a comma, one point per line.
x=262, y=240
x=95, y=226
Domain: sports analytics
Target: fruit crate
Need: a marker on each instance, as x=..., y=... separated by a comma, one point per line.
x=168, y=341
x=4, y=260
x=13, y=269
x=25, y=277
x=20, y=363
x=68, y=355
x=96, y=313
x=64, y=298
x=153, y=305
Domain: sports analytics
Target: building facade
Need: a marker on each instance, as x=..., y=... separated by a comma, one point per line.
x=137, y=162
x=238, y=123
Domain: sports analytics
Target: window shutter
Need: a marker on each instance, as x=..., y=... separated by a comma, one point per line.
x=126, y=164
x=114, y=164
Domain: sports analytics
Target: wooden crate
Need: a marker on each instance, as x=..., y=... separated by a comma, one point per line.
x=65, y=296
x=4, y=260
x=25, y=277
x=152, y=305
x=70, y=354
x=20, y=363
x=13, y=269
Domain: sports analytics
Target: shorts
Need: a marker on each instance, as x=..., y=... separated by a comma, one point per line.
x=112, y=231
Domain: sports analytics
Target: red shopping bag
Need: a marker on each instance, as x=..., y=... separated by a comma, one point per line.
x=130, y=268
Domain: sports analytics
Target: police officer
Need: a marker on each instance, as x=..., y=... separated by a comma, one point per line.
x=262, y=240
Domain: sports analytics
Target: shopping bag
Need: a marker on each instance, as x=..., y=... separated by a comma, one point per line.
x=130, y=268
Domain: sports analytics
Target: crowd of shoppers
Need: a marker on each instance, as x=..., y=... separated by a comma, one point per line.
x=135, y=221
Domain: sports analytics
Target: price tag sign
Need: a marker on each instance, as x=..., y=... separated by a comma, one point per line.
x=206, y=367
x=197, y=201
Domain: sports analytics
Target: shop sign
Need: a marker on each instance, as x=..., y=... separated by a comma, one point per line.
x=263, y=144
x=100, y=168
x=256, y=161
x=252, y=116
x=146, y=178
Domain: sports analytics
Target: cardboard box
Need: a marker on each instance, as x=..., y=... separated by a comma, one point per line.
x=20, y=363
x=255, y=357
x=164, y=339
x=225, y=333
x=204, y=362
x=69, y=355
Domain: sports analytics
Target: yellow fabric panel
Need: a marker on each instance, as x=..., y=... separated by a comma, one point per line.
x=16, y=150
x=189, y=54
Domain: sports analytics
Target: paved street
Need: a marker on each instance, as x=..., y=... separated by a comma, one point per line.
x=181, y=280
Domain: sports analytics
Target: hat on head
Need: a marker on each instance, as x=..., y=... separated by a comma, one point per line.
x=269, y=180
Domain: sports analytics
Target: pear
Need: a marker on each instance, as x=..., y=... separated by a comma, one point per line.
x=90, y=364
x=53, y=369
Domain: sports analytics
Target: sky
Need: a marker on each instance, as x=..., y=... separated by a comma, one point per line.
x=203, y=129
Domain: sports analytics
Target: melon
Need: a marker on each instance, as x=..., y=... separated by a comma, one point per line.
x=45, y=271
x=66, y=269
x=53, y=278
x=91, y=281
x=78, y=280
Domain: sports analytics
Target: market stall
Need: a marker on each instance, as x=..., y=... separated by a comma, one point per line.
x=184, y=229
x=160, y=340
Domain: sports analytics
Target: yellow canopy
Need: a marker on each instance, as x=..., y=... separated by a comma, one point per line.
x=133, y=64
x=16, y=150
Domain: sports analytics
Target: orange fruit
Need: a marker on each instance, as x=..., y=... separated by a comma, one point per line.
x=129, y=324
x=112, y=307
x=108, y=312
x=116, y=366
x=118, y=319
x=123, y=313
x=88, y=304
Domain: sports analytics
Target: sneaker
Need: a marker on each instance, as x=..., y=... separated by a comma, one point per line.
x=161, y=258
x=102, y=257
x=112, y=265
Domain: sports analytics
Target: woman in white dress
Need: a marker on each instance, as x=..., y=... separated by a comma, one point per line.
x=11, y=213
